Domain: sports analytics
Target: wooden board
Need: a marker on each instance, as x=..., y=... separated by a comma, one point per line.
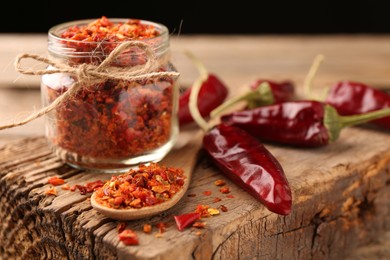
x=340, y=202
x=340, y=192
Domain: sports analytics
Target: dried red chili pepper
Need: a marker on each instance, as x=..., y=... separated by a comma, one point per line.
x=281, y=91
x=212, y=93
x=184, y=220
x=299, y=123
x=352, y=98
x=249, y=164
x=246, y=161
x=128, y=237
x=264, y=92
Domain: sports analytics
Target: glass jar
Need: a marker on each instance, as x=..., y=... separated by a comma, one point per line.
x=110, y=125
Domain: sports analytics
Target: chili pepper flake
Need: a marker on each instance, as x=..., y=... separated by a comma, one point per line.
x=207, y=192
x=128, y=237
x=224, y=208
x=145, y=186
x=65, y=187
x=51, y=192
x=230, y=196
x=213, y=211
x=216, y=199
x=147, y=228
x=199, y=224
x=72, y=188
x=121, y=226
x=198, y=233
x=161, y=227
x=224, y=190
x=202, y=210
x=219, y=183
x=56, y=181
x=191, y=195
x=184, y=220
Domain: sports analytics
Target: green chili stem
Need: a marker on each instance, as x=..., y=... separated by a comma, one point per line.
x=308, y=83
x=364, y=118
x=262, y=94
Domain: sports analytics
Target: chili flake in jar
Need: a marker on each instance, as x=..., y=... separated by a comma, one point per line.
x=142, y=187
x=111, y=124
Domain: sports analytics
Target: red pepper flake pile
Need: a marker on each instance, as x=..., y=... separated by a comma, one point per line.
x=145, y=186
x=55, y=181
x=128, y=237
x=104, y=31
x=112, y=119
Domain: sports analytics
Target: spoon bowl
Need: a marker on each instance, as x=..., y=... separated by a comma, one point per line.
x=183, y=156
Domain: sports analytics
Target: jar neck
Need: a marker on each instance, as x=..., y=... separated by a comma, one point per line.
x=75, y=52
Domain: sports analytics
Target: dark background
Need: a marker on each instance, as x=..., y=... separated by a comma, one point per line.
x=209, y=17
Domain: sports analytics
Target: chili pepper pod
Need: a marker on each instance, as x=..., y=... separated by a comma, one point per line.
x=351, y=98
x=249, y=164
x=263, y=92
x=212, y=93
x=281, y=91
x=299, y=123
x=245, y=160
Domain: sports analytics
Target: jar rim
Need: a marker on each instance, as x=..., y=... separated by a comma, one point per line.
x=54, y=31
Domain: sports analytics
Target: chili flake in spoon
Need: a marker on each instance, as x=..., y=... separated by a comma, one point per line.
x=145, y=186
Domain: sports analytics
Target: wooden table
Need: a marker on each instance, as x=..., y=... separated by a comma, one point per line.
x=340, y=191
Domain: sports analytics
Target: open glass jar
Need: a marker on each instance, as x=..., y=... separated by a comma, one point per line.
x=111, y=124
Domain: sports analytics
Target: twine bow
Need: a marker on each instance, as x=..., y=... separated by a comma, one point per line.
x=88, y=74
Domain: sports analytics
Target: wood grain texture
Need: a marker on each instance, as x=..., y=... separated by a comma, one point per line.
x=340, y=202
x=340, y=191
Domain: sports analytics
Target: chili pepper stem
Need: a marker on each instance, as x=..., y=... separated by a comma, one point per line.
x=308, y=83
x=334, y=122
x=199, y=65
x=262, y=94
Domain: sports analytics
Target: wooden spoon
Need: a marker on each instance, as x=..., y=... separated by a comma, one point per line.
x=184, y=155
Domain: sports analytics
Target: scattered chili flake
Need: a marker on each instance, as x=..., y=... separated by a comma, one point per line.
x=94, y=185
x=147, y=228
x=65, y=187
x=82, y=189
x=217, y=199
x=191, y=195
x=184, y=220
x=224, y=208
x=207, y=192
x=72, y=188
x=224, y=190
x=55, y=181
x=202, y=210
x=199, y=224
x=230, y=196
x=121, y=226
x=128, y=237
x=161, y=227
x=213, y=211
x=219, y=182
x=198, y=233
x=52, y=191
x=145, y=186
